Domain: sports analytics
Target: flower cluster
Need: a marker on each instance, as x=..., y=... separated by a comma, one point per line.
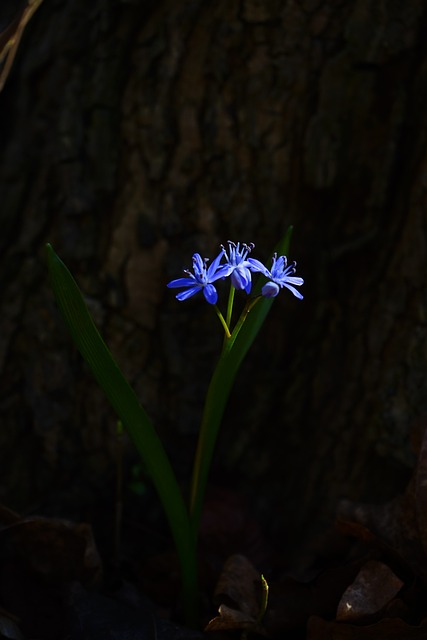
x=236, y=264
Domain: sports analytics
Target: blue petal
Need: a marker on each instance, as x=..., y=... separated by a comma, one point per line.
x=270, y=290
x=241, y=278
x=210, y=293
x=181, y=282
x=280, y=264
x=296, y=293
x=199, y=268
x=223, y=272
x=294, y=280
x=215, y=265
x=198, y=262
x=256, y=265
x=184, y=295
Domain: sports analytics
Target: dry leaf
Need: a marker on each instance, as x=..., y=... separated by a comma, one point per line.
x=8, y=517
x=231, y=619
x=374, y=587
x=386, y=629
x=400, y=526
x=239, y=591
x=9, y=626
x=55, y=549
x=39, y=559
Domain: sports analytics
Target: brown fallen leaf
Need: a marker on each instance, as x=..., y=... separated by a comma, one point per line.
x=373, y=588
x=39, y=560
x=385, y=629
x=8, y=517
x=291, y=602
x=231, y=620
x=399, y=526
x=9, y=626
x=56, y=549
x=239, y=593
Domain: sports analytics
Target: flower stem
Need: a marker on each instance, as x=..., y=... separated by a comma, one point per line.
x=229, y=315
x=230, y=305
x=223, y=322
x=248, y=307
x=215, y=401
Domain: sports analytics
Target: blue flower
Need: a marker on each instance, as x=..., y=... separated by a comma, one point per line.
x=240, y=266
x=281, y=275
x=202, y=278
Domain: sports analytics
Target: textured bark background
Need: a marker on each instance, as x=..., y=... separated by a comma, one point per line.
x=135, y=133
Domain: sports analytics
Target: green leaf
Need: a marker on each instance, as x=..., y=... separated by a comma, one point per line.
x=134, y=418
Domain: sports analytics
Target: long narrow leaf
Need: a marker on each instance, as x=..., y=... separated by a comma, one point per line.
x=220, y=386
x=125, y=403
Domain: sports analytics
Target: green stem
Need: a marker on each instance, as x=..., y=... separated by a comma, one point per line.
x=216, y=399
x=212, y=414
x=223, y=322
x=230, y=305
x=229, y=315
x=246, y=310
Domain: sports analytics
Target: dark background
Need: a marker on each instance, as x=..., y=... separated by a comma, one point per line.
x=136, y=133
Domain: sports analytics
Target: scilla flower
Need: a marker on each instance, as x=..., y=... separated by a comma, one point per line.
x=240, y=266
x=281, y=275
x=201, y=279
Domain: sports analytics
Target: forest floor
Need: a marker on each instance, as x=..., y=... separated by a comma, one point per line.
x=365, y=579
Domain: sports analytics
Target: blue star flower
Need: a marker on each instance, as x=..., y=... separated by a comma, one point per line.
x=201, y=279
x=281, y=275
x=239, y=265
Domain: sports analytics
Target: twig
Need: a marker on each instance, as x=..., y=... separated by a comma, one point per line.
x=10, y=48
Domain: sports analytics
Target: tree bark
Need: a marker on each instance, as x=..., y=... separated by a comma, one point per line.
x=136, y=133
